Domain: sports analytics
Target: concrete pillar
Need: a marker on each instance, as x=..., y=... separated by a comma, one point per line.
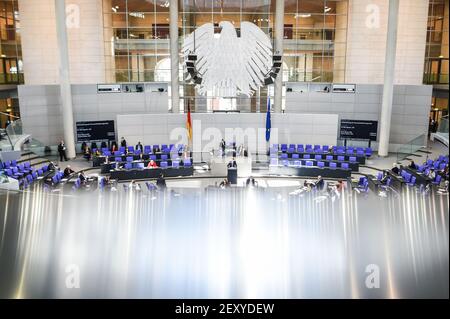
x=389, y=72
x=174, y=56
x=279, y=35
x=64, y=78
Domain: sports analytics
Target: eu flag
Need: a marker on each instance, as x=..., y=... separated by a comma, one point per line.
x=268, y=123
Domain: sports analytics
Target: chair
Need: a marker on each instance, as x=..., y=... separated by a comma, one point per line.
x=34, y=175
x=164, y=164
x=321, y=164
x=309, y=163
x=300, y=148
x=325, y=149
x=140, y=165
x=308, y=146
x=128, y=166
x=118, y=153
x=187, y=162
x=156, y=146
x=121, y=150
x=55, y=179
x=344, y=165
x=291, y=150
x=129, y=158
x=360, y=153
x=341, y=158
x=333, y=165
x=284, y=156
x=273, y=162
x=329, y=157
x=306, y=156
x=163, y=146
x=437, y=180
x=175, y=163
x=318, y=157
x=297, y=163
x=283, y=147
x=340, y=150
x=40, y=172
x=352, y=159
x=292, y=146
x=131, y=149
x=316, y=148
x=117, y=159
x=380, y=176
x=13, y=163
x=164, y=157
x=413, y=181
x=153, y=157
x=147, y=149
x=442, y=166
x=285, y=162
x=295, y=156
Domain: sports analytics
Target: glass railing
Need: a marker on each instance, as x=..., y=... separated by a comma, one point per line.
x=411, y=147
x=435, y=78
x=443, y=125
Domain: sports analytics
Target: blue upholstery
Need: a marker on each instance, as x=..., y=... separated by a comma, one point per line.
x=321, y=164
x=295, y=156
x=306, y=156
x=341, y=158
x=352, y=159
x=175, y=163
x=128, y=166
x=297, y=163
x=187, y=162
x=329, y=157
x=273, y=162
x=140, y=165
x=318, y=157
x=164, y=164
x=333, y=165
x=129, y=158
x=309, y=163
x=344, y=165
x=118, y=159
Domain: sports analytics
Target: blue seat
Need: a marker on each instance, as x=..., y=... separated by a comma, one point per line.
x=291, y=150
x=128, y=166
x=164, y=164
x=325, y=148
x=140, y=165
x=352, y=159
x=13, y=163
x=164, y=157
x=147, y=149
x=118, y=159
x=344, y=165
x=437, y=180
x=187, y=162
x=34, y=175
x=175, y=163
x=40, y=172
x=273, y=162
x=341, y=158
x=318, y=157
x=442, y=166
x=340, y=150
x=412, y=182
x=333, y=165
x=9, y=172
x=317, y=148
x=329, y=157
x=121, y=150
x=321, y=164
x=55, y=179
x=129, y=158
x=306, y=156
x=295, y=156
x=284, y=156
x=300, y=146
x=308, y=146
x=131, y=149
x=155, y=146
x=163, y=146
x=153, y=157
x=297, y=163
x=117, y=153
x=369, y=151
x=380, y=176
x=309, y=163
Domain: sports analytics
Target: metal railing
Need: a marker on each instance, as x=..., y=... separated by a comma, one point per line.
x=411, y=147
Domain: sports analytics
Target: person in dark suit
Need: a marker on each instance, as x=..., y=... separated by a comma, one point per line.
x=62, y=151
x=139, y=147
x=161, y=182
x=222, y=146
x=232, y=163
x=395, y=169
x=68, y=171
x=320, y=183
x=412, y=165
x=123, y=142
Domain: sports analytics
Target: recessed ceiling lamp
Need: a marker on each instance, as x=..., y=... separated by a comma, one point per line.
x=302, y=15
x=166, y=4
x=327, y=9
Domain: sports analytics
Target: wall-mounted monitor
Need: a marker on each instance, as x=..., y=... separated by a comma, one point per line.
x=95, y=131
x=344, y=88
x=109, y=88
x=359, y=130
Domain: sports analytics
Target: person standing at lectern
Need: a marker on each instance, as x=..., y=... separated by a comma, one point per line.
x=62, y=151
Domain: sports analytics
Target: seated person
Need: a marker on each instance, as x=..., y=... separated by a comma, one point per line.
x=51, y=166
x=395, y=169
x=431, y=174
x=320, y=183
x=412, y=165
x=68, y=171
x=225, y=183
x=152, y=164
x=82, y=177
x=161, y=182
x=114, y=147
x=87, y=153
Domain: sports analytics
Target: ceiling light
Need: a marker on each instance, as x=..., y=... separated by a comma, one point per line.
x=302, y=15
x=327, y=9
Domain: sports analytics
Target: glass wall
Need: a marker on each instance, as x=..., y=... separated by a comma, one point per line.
x=436, y=54
x=11, y=71
x=137, y=41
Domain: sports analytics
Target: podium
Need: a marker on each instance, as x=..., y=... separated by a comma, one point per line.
x=232, y=175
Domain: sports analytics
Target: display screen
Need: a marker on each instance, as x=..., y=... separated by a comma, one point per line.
x=359, y=130
x=96, y=131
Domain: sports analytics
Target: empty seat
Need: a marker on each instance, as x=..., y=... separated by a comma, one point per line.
x=341, y=158
x=306, y=156
x=380, y=176
x=369, y=151
x=308, y=146
x=156, y=146
x=284, y=156
x=291, y=150
x=412, y=182
x=321, y=164
x=344, y=165
x=40, y=172
x=437, y=179
x=164, y=157
x=140, y=165
x=309, y=163
x=318, y=157
x=117, y=153
x=329, y=157
x=333, y=165
x=153, y=157
x=128, y=166
x=175, y=163
x=164, y=164
x=283, y=147
x=285, y=162
x=131, y=149
x=187, y=162
x=300, y=148
x=297, y=163
x=325, y=148
x=316, y=147
x=147, y=149
x=292, y=146
x=129, y=158
x=273, y=162
x=295, y=156
x=117, y=159
x=352, y=159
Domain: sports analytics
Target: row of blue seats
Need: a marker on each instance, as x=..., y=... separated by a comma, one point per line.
x=297, y=163
x=309, y=148
x=147, y=149
x=57, y=178
x=164, y=157
x=21, y=171
x=317, y=157
x=163, y=164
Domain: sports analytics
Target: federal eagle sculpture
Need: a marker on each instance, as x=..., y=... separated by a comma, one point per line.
x=230, y=65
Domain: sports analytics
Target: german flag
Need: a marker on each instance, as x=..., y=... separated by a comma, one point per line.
x=189, y=123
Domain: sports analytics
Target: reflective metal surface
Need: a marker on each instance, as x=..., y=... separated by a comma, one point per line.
x=212, y=243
